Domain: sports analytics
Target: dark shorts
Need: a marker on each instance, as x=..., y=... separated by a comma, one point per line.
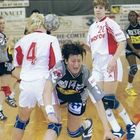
x=6, y=68
x=75, y=108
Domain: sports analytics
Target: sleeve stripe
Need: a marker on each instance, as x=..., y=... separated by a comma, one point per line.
x=52, y=59
x=19, y=55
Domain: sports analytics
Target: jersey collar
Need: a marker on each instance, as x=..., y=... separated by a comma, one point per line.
x=102, y=19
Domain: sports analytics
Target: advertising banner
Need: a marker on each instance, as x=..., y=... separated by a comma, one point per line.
x=12, y=14
x=73, y=28
x=14, y=3
x=121, y=13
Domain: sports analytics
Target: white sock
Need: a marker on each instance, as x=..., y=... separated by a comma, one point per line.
x=12, y=95
x=125, y=117
x=129, y=85
x=112, y=120
x=0, y=107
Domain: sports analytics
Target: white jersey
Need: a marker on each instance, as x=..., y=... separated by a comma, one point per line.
x=36, y=53
x=103, y=36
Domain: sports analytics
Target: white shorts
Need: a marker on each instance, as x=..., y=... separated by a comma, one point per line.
x=99, y=71
x=31, y=93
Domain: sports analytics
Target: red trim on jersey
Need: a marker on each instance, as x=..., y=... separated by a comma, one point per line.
x=112, y=44
x=52, y=60
x=19, y=55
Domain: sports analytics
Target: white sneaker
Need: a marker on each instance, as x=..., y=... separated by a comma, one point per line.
x=88, y=131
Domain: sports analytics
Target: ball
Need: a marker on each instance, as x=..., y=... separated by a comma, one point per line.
x=52, y=22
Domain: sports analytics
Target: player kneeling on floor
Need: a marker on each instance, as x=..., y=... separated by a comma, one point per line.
x=68, y=81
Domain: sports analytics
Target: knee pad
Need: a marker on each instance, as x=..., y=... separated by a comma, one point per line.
x=133, y=70
x=110, y=101
x=6, y=90
x=76, y=133
x=21, y=124
x=56, y=127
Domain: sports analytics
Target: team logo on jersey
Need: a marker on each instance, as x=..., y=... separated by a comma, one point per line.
x=100, y=34
x=96, y=37
x=67, y=91
x=68, y=87
x=56, y=73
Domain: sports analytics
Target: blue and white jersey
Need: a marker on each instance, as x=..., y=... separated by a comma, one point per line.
x=133, y=32
x=72, y=88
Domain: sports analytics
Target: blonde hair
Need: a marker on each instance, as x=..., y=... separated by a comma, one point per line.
x=104, y=3
x=35, y=22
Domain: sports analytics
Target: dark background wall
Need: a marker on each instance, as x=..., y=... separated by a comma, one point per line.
x=61, y=7
x=69, y=7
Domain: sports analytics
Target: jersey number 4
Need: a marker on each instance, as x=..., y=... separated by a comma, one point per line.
x=31, y=55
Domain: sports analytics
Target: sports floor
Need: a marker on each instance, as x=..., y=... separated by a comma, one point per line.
x=38, y=125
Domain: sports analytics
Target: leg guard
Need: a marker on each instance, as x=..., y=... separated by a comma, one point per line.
x=110, y=101
x=76, y=133
x=56, y=127
x=133, y=70
x=6, y=90
x=21, y=124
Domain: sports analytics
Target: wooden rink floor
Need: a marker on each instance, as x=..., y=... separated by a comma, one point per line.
x=37, y=126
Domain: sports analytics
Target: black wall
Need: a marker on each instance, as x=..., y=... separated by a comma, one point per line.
x=69, y=7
